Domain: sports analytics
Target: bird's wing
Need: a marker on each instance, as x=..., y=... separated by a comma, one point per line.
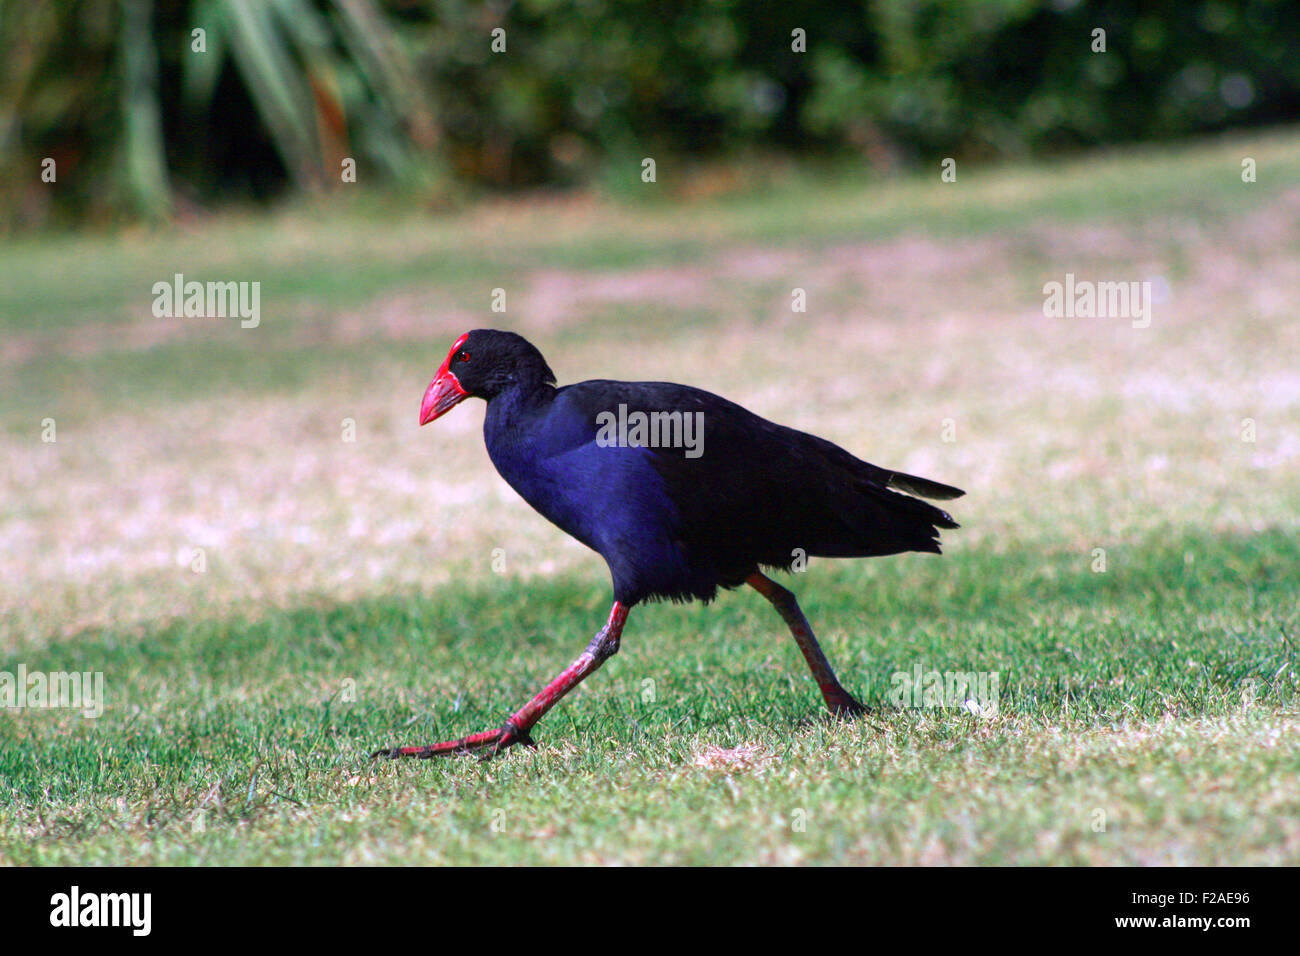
x=753, y=490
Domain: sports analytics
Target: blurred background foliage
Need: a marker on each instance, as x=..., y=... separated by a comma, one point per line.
x=142, y=122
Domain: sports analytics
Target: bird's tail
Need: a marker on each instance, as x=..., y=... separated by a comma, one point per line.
x=913, y=516
x=923, y=487
x=875, y=515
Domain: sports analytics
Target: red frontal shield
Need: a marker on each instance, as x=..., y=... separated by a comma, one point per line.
x=444, y=392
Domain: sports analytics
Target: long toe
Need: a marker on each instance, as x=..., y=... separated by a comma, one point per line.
x=847, y=708
x=490, y=741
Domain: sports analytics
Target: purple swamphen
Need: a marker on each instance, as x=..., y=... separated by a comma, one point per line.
x=680, y=491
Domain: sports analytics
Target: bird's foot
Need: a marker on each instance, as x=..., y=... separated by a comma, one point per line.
x=847, y=707
x=489, y=743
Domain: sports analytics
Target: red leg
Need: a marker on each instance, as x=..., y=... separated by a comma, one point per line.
x=839, y=700
x=516, y=729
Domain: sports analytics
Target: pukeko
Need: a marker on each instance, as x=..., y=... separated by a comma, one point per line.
x=680, y=491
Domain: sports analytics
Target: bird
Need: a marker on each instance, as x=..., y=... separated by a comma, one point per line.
x=681, y=491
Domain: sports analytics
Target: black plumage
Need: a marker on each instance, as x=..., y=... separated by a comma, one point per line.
x=726, y=494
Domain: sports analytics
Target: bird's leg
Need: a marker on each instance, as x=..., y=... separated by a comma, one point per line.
x=516, y=729
x=839, y=700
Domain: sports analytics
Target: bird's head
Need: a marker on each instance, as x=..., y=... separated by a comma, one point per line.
x=483, y=363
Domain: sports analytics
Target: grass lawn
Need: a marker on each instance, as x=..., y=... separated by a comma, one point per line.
x=1128, y=564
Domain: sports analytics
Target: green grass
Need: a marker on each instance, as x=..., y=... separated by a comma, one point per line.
x=58, y=284
x=79, y=279
x=1149, y=713
x=231, y=740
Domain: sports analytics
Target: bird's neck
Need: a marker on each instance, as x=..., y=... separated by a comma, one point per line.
x=513, y=427
x=516, y=404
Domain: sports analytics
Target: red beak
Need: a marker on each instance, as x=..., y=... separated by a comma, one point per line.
x=444, y=392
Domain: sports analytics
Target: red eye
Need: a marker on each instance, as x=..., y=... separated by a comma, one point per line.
x=464, y=357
